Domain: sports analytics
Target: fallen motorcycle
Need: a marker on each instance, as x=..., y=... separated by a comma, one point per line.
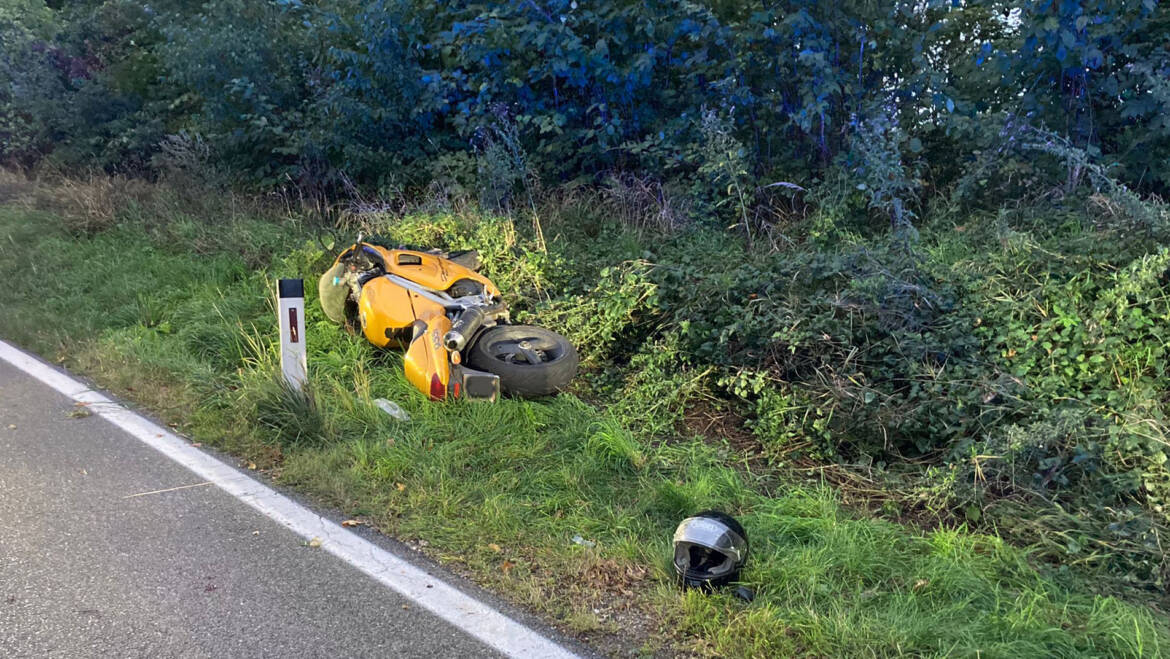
x=450, y=320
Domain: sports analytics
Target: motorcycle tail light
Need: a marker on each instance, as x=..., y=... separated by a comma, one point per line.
x=438, y=391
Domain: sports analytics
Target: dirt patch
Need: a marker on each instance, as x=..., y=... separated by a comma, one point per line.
x=718, y=421
x=612, y=592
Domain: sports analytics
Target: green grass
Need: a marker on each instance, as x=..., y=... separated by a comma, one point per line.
x=499, y=491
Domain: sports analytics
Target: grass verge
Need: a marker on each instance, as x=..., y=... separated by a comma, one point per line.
x=500, y=491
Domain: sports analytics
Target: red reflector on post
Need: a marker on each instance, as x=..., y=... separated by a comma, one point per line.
x=456, y=390
x=294, y=335
x=438, y=392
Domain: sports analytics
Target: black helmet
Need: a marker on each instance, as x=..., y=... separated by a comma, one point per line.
x=709, y=550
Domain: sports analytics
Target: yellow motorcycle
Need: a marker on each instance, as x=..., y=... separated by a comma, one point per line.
x=450, y=320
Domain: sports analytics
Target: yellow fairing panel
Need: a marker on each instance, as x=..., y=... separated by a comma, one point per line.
x=386, y=311
x=431, y=271
x=426, y=358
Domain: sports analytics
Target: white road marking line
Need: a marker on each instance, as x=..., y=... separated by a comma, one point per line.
x=169, y=489
x=463, y=611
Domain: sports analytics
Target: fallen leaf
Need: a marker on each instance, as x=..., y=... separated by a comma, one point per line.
x=494, y=547
x=315, y=542
x=351, y=522
x=920, y=583
x=80, y=413
x=635, y=572
x=507, y=566
x=401, y=486
x=197, y=444
x=252, y=466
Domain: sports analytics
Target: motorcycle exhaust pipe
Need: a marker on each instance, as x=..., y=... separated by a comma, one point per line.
x=463, y=328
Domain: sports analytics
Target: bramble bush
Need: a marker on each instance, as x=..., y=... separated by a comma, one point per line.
x=1022, y=353
x=1087, y=343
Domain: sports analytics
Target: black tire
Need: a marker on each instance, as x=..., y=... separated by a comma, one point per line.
x=509, y=351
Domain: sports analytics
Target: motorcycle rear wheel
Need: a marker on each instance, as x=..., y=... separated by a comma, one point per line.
x=530, y=360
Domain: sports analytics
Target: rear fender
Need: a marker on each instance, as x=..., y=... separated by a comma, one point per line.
x=427, y=362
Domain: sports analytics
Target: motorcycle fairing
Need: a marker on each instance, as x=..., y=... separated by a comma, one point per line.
x=386, y=311
x=426, y=362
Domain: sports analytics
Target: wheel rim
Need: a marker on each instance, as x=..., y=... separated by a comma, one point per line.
x=525, y=350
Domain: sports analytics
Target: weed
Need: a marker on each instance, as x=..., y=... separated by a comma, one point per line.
x=502, y=166
x=724, y=163
x=609, y=442
x=645, y=204
x=885, y=178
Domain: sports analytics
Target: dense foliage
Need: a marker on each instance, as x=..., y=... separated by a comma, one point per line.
x=394, y=91
x=1028, y=364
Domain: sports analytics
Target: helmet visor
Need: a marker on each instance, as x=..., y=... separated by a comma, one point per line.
x=701, y=563
x=713, y=534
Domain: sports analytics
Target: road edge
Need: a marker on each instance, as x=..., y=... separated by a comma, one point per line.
x=459, y=609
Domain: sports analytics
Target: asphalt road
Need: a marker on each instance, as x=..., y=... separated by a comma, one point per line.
x=88, y=569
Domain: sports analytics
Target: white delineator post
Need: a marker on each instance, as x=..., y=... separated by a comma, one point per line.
x=291, y=314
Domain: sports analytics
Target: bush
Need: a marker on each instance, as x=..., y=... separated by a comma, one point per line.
x=378, y=92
